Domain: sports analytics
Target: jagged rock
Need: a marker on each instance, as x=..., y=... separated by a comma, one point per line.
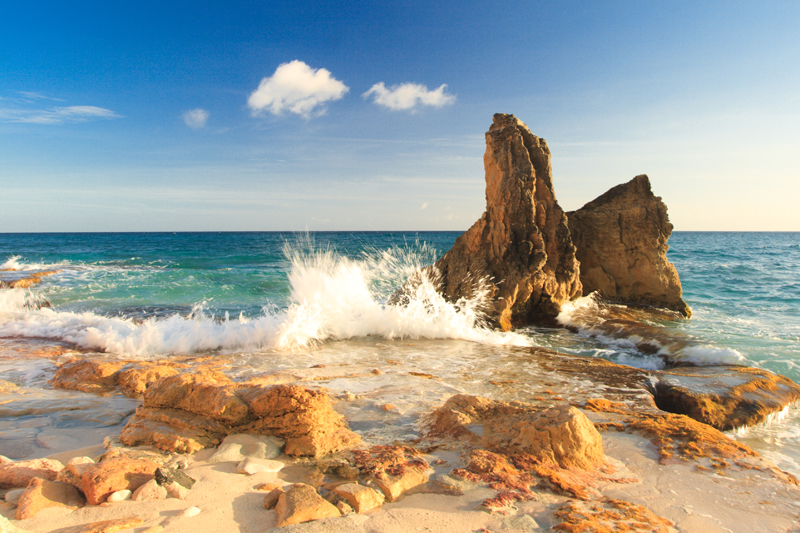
x=610, y=515
x=521, y=243
x=189, y=412
x=18, y=474
x=41, y=494
x=359, y=497
x=561, y=435
x=111, y=475
x=87, y=375
x=301, y=503
x=724, y=397
x=74, y=469
x=621, y=240
x=271, y=498
x=135, y=380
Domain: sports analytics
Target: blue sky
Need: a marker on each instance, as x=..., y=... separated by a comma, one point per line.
x=188, y=116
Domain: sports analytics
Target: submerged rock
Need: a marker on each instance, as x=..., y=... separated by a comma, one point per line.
x=520, y=250
x=621, y=240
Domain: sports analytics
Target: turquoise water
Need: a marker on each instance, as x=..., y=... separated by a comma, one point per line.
x=261, y=294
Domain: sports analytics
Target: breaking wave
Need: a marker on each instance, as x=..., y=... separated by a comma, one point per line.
x=332, y=297
x=619, y=326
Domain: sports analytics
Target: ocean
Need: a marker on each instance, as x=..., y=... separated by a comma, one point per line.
x=266, y=301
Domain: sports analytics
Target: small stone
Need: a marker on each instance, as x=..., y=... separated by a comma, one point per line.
x=388, y=407
x=41, y=494
x=349, y=396
x=301, y=503
x=271, y=498
x=344, y=508
x=520, y=523
x=178, y=462
x=359, y=497
x=176, y=490
x=251, y=465
x=149, y=491
x=191, y=511
x=377, y=371
x=237, y=447
x=165, y=476
x=13, y=496
x=269, y=486
x=119, y=496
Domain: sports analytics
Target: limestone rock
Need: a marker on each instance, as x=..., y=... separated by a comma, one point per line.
x=41, y=494
x=302, y=417
x=238, y=447
x=88, y=375
x=172, y=429
x=73, y=471
x=19, y=473
x=135, y=380
x=111, y=475
x=359, y=497
x=271, y=498
x=393, y=486
x=561, y=435
x=621, y=240
x=209, y=394
x=521, y=243
x=724, y=397
x=301, y=503
x=149, y=491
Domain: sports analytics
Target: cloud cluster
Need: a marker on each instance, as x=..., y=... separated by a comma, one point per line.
x=297, y=88
x=408, y=96
x=196, y=118
x=55, y=115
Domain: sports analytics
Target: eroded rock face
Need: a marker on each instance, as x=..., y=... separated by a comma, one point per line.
x=188, y=412
x=621, y=240
x=17, y=474
x=561, y=435
x=521, y=244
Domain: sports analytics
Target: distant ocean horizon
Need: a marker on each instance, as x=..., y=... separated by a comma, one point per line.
x=273, y=295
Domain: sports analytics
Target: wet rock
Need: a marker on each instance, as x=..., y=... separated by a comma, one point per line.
x=74, y=469
x=17, y=474
x=560, y=435
x=136, y=379
x=521, y=246
x=621, y=240
x=724, y=397
x=149, y=491
x=271, y=498
x=111, y=475
x=88, y=375
x=359, y=497
x=301, y=503
x=252, y=466
x=41, y=494
x=241, y=446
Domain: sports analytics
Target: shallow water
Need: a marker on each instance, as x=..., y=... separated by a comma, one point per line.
x=270, y=302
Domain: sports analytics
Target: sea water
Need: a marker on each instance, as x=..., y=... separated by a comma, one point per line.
x=283, y=300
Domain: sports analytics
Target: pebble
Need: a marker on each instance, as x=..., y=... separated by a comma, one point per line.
x=13, y=496
x=191, y=511
x=119, y=496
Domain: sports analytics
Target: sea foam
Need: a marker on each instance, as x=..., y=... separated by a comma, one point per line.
x=332, y=297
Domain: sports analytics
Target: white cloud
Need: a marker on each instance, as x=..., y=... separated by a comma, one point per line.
x=297, y=88
x=55, y=115
x=196, y=118
x=424, y=206
x=408, y=96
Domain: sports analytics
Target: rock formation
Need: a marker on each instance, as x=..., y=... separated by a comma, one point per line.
x=521, y=245
x=621, y=240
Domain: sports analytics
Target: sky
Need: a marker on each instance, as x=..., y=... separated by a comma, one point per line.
x=295, y=116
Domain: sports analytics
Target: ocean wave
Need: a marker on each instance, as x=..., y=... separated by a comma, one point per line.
x=332, y=297
x=632, y=329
